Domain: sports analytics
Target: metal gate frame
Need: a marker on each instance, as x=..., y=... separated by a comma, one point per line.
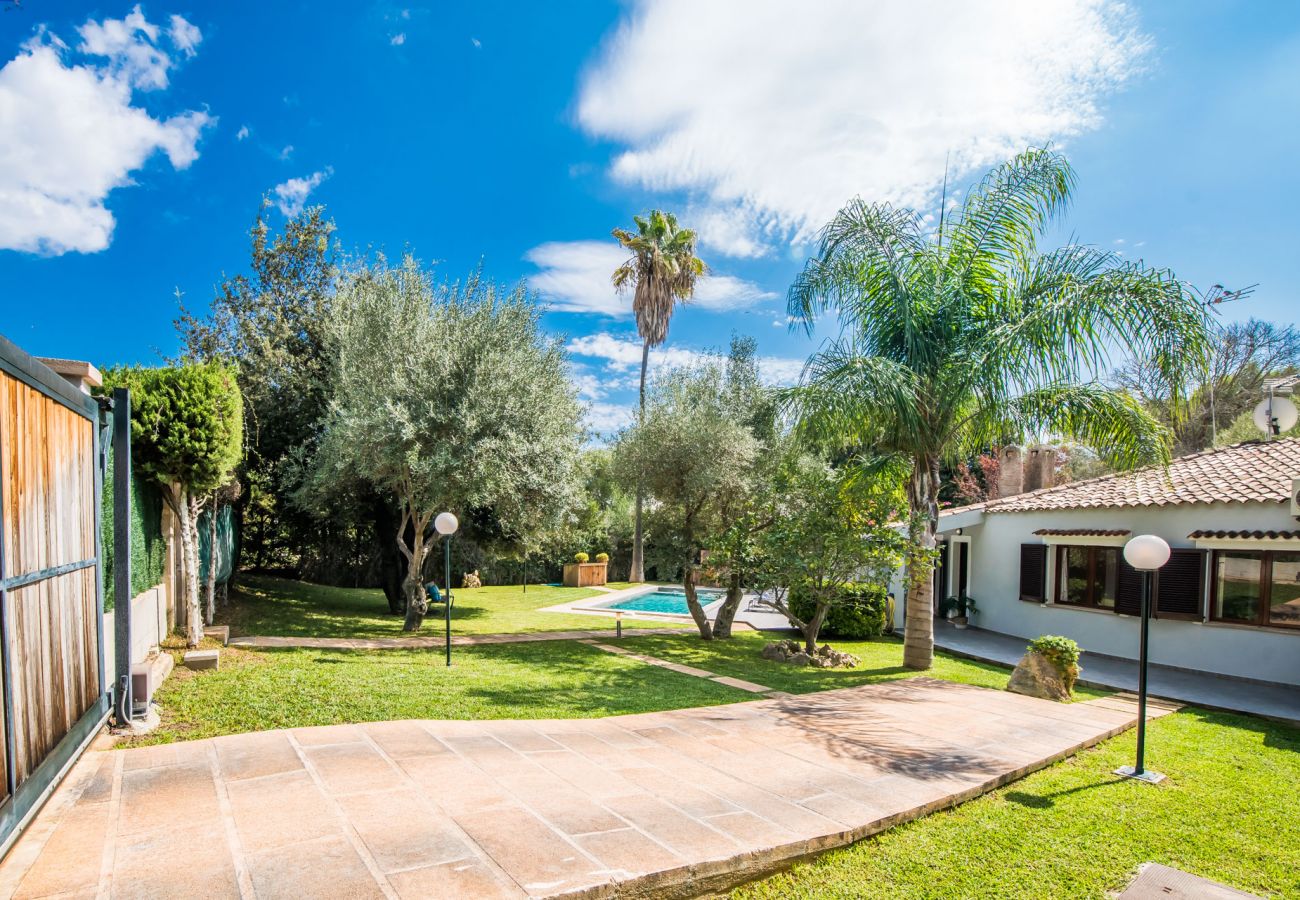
x=26, y=798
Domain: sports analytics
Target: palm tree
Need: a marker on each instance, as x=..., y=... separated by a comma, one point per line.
x=956, y=341
x=664, y=268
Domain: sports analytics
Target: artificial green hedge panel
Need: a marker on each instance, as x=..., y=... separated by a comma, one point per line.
x=148, y=546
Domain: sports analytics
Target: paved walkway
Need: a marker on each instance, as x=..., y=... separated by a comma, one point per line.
x=685, y=670
x=431, y=641
x=665, y=804
x=1273, y=701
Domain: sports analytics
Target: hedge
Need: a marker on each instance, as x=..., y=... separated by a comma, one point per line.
x=858, y=612
x=148, y=546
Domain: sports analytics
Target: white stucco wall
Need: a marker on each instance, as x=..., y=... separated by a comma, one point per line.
x=148, y=627
x=1243, y=651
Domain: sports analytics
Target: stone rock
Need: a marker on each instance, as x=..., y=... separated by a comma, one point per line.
x=201, y=660
x=1035, y=676
x=793, y=652
x=799, y=659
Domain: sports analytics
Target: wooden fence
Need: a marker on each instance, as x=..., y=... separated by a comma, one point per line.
x=50, y=580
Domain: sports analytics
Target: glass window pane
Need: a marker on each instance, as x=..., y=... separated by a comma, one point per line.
x=1237, y=585
x=1074, y=575
x=1284, y=592
x=1107, y=576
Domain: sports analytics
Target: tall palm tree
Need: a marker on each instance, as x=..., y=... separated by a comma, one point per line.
x=955, y=341
x=664, y=268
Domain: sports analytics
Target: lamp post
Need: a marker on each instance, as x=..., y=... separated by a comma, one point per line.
x=446, y=524
x=1146, y=553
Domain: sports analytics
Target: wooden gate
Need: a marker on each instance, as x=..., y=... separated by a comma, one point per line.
x=51, y=587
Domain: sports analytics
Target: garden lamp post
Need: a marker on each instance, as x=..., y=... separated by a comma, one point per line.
x=1146, y=553
x=446, y=524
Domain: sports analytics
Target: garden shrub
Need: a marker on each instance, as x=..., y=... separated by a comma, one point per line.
x=858, y=612
x=1062, y=653
x=148, y=545
x=580, y=557
x=602, y=557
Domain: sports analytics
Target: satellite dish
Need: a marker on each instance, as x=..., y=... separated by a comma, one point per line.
x=1284, y=415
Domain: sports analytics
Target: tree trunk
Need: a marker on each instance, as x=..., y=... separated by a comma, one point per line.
x=417, y=601
x=727, y=611
x=813, y=627
x=637, y=572
x=923, y=503
x=210, y=612
x=188, y=509
x=693, y=603
x=391, y=569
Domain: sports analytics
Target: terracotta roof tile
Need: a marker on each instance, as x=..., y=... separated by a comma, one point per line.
x=1082, y=532
x=1247, y=535
x=1253, y=472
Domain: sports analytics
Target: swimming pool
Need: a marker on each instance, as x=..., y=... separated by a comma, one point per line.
x=671, y=601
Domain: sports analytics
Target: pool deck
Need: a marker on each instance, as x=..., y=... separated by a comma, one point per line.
x=669, y=804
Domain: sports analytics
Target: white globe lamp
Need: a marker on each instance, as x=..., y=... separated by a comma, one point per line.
x=1146, y=552
x=446, y=523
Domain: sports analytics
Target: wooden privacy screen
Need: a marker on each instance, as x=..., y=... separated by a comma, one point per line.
x=47, y=482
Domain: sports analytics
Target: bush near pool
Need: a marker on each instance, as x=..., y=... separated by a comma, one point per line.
x=857, y=612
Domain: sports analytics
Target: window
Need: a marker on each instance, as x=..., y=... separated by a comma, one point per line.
x=1087, y=576
x=1257, y=587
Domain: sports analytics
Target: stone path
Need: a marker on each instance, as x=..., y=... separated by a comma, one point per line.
x=666, y=804
x=684, y=670
x=436, y=641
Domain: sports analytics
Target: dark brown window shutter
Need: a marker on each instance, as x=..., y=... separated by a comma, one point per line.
x=1033, y=572
x=1180, y=586
x=1128, y=589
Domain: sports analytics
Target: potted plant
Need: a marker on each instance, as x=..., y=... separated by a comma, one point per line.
x=583, y=573
x=958, y=609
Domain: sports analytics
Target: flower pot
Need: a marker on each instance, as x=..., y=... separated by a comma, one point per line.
x=959, y=621
x=586, y=574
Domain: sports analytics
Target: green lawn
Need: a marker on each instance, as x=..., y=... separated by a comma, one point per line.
x=881, y=660
x=1228, y=812
x=256, y=691
x=275, y=606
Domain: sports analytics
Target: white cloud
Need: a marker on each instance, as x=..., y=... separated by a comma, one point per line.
x=575, y=275
x=291, y=196
x=607, y=418
x=241, y=133
x=286, y=152
x=398, y=39
x=622, y=357
x=772, y=115
x=70, y=132
x=478, y=45
x=185, y=37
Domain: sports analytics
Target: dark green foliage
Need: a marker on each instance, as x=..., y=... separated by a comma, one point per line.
x=186, y=423
x=856, y=612
x=226, y=543
x=148, y=546
x=1062, y=653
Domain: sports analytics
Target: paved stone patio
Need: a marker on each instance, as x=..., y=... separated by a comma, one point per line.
x=665, y=804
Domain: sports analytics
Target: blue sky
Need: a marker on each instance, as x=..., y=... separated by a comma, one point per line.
x=136, y=143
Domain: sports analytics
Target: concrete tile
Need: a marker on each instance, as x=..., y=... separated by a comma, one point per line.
x=348, y=768
x=175, y=862
x=328, y=734
x=532, y=853
x=588, y=777
x=742, y=684
x=167, y=797
x=627, y=852
x=280, y=809
x=329, y=867
x=99, y=785
x=673, y=828
x=255, y=755
x=401, y=831
x=573, y=814
x=750, y=831
x=453, y=784
x=72, y=856
x=404, y=739
x=463, y=878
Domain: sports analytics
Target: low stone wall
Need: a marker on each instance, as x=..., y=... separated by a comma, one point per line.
x=148, y=627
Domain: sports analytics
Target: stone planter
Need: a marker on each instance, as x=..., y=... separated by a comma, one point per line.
x=588, y=574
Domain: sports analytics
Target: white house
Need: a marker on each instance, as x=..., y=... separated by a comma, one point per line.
x=1049, y=561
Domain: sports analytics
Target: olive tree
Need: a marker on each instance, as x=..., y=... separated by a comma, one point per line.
x=696, y=459
x=187, y=435
x=447, y=397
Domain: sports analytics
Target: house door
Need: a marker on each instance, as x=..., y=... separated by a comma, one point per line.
x=960, y=584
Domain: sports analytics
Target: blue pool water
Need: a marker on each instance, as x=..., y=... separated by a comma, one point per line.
x=665, y=600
